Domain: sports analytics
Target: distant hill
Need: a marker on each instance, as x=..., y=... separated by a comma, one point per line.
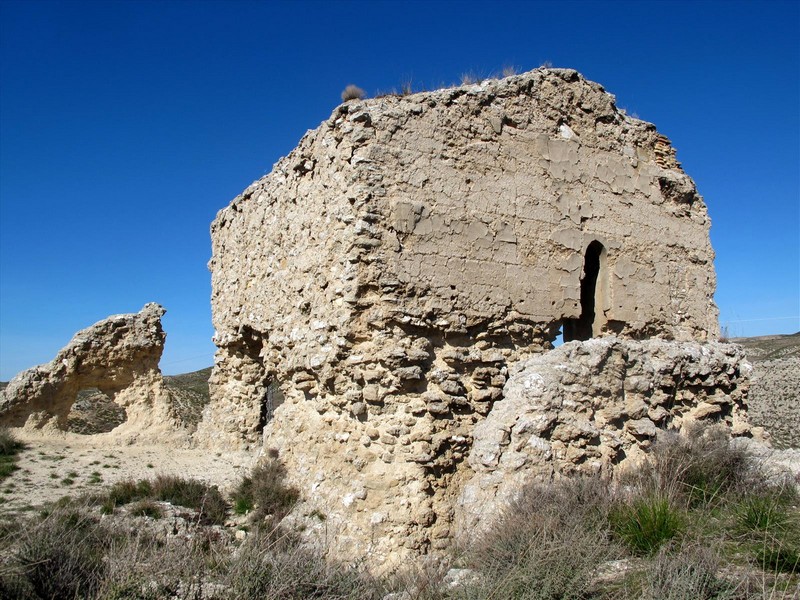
x=190, y=395
x=774, y=401
x=770, y=347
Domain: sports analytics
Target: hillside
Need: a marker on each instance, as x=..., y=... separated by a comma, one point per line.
x=775, y=383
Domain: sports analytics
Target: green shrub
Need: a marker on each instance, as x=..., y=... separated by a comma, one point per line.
x=192, y=494
x=779, y=556
x=763, y=512
x=7, y=467
x=146, y=508
x=125, y=492
x=207, y=500
x=646, y=524
x=242, y=505
x=265, y=493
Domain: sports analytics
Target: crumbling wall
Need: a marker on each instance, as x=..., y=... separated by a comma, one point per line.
x=591, y=407
x=387, y=273
x=117, y=356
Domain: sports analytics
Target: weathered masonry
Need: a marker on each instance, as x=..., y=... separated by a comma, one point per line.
x=372, y=292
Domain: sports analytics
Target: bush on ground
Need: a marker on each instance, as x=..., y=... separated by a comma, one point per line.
x=9, y=444
x=580, y=538
x=9, y=448
x=547, y=544
x=190, y=493
x=646, y=524
x=352, y=92
x=689, y=574
x=271, y=567
x=699, y=466
x=264, y=493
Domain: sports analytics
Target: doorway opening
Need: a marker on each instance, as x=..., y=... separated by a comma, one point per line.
x=593, y=297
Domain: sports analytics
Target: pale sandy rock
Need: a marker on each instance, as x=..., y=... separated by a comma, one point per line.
x=372, y=292
x=117, y=356
x=545, y=427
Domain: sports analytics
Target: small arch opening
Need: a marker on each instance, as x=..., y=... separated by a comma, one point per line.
x=592, y=318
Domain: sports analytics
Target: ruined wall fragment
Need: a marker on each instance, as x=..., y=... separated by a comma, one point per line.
x=592, y=407
x=386, y=275
x=118, y=357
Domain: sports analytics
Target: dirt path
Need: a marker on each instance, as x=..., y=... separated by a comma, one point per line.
x=54, y=466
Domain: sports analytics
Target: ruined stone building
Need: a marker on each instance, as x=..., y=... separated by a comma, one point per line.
x=382, y=297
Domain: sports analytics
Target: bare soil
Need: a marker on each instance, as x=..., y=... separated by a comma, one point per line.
x=51, y=467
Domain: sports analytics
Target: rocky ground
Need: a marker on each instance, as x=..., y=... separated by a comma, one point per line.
x=52, y=466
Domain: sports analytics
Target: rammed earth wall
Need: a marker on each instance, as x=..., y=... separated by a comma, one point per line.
x=371, y=292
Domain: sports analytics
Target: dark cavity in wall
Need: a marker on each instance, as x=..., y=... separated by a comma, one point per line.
x=273, y=398
x=94, y=412
x=589, y=323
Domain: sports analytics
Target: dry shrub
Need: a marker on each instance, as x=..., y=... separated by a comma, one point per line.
x=60, y=556
x=265, y=493
x=9, y=447
x=509, y=71
x=275, y=567
x=690, y=574
x=352, y=92
x=699, y=466
x=548, y=544
x=9, y=444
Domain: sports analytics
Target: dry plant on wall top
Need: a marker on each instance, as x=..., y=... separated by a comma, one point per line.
x=352, y=92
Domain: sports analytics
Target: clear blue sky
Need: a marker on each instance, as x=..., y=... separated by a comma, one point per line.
x=125, y=127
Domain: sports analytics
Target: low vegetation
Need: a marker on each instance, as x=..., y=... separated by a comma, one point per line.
x=264, y=495
x=207, y=500
x=700, y=520
x=9, y=448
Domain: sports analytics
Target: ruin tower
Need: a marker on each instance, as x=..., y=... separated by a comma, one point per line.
x=371, y=293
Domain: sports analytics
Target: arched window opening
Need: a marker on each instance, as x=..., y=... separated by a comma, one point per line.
x=593, y=291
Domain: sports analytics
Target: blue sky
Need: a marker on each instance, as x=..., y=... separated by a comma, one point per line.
x=125, y=127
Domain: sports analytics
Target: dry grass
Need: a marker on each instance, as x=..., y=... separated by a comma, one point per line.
x=736, y=536
x=352, y=92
